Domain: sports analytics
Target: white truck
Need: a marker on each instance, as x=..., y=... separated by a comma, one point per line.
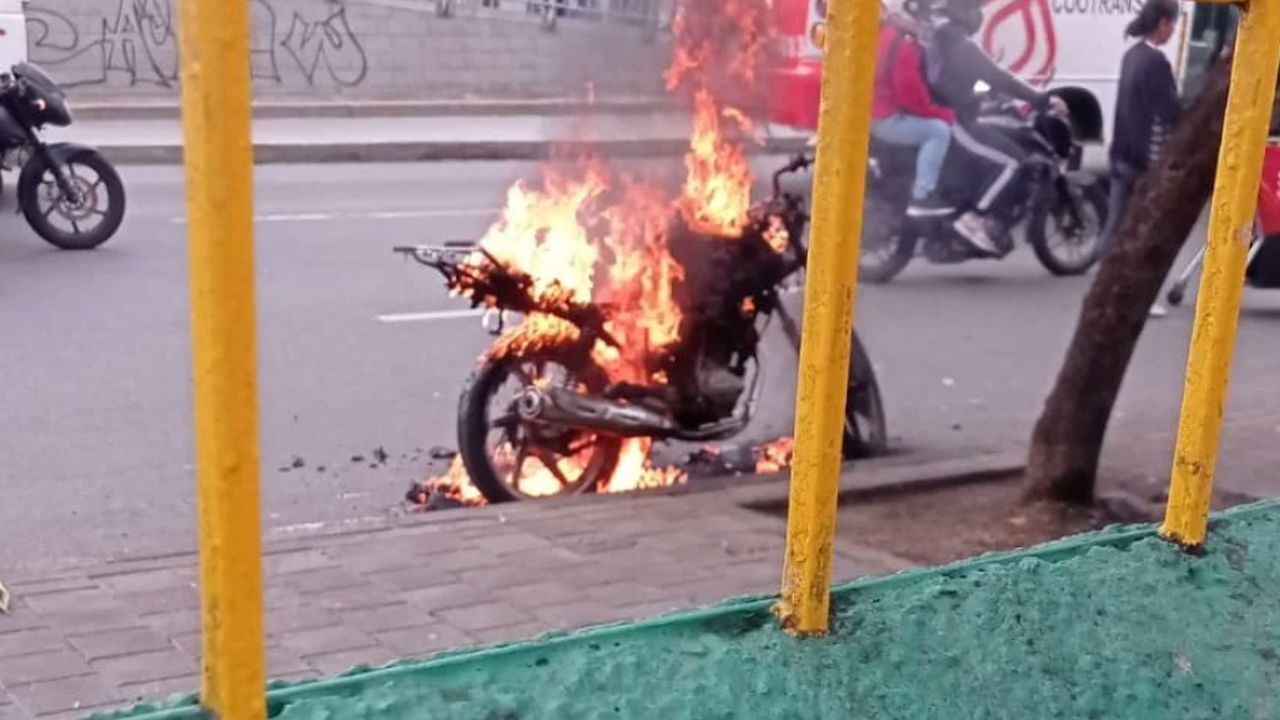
x=1074, y=46
x=13, y=33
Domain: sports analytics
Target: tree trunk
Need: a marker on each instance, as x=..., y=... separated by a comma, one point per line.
x=1165, y=206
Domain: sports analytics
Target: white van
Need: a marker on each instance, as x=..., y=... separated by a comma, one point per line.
x=13, y=33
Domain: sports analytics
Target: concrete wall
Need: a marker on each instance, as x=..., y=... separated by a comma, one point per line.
x=352, y=49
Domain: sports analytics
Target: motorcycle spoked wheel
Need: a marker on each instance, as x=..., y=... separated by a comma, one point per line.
x=82, y=223
x=509, y=459
x=886, y=245
x=865, y=428
x=1066, y=232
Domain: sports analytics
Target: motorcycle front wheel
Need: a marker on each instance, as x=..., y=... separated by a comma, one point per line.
x=1066, y=231
x=509, y=459
x=82, y=219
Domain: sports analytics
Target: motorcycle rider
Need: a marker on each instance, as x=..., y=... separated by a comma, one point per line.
x=955, y=66
x=903, y=113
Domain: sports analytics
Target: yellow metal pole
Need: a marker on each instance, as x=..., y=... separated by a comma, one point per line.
x=839, y=179
x=1244, y=137
x=219, y=172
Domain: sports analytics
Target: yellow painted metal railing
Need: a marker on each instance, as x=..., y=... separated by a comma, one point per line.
x=1235, y=195
x=218, y=154
x=844, y=129
x=219, y=158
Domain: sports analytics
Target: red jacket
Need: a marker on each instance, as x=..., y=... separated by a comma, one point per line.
x=900, y=87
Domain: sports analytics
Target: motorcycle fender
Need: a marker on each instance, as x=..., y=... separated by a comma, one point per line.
x=59, y=153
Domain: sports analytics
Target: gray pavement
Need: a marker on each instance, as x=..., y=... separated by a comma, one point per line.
x=361, y=351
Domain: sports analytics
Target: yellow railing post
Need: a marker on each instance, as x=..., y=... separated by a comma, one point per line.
x=219, y=173
x=839, y=180
x=1244, y=136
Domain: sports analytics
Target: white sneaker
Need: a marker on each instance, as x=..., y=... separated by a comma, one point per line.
x=973, y=228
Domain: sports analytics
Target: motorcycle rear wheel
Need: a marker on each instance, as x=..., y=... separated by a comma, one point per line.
x=1070, y=249
x=886, y=246
x=527, y=461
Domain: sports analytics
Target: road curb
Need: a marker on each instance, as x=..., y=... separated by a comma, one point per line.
x=389, y=108
x=431, y=151
x=897, y=479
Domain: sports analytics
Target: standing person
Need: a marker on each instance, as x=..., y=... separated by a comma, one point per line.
x=1147, y=107
x=903, y=113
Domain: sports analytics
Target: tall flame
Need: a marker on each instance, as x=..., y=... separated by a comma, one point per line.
x=718, y=46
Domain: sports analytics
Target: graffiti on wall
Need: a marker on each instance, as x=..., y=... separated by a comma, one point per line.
x=1020, y=35
x=137, y=45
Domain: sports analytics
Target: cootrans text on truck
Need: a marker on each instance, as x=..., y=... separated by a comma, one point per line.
x=1072, y=46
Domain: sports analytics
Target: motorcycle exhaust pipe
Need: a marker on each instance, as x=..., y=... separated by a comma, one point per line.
x=565, y=407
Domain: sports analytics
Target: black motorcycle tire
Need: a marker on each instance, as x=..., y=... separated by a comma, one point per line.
x=863, y=393
x=473, y=433
x=28, y=192
x=904, y=248
x=1095, y=194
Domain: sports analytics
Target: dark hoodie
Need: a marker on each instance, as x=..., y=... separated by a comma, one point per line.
x=1147, y=107
x=960, y=64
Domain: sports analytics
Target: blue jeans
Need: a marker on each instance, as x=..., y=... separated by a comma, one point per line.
x=931, y=135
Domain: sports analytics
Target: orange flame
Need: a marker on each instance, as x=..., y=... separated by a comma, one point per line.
x=455, y=484
x=717, y=45
x=636, y=472
x=776, y=456
x=717, y=188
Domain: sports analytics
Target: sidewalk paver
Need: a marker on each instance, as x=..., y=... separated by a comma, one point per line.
x=108, y=636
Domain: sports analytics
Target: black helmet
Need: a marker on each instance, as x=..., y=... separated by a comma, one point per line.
x=964, y=14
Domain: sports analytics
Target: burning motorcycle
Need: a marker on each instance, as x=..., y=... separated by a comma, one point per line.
x=1062, y=208
x=70, y=195
x=550, y=411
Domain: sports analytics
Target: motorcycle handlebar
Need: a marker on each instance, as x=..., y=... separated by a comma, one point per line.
x=798, y=162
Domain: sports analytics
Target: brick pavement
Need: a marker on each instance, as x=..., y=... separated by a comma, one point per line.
x=110, y=635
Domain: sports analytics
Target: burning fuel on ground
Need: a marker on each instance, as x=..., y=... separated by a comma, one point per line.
x=587, y=233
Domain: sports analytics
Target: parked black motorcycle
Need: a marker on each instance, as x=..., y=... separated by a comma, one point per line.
x=1062, y=208
x=70, y=195
x=554, y=404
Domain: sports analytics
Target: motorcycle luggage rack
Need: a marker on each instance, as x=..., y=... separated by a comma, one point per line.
x=498, y=287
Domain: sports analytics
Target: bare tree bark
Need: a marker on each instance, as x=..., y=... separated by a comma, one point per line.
x=1166, y=204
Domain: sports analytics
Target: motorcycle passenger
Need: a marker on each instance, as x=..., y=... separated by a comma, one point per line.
x=903, y=113
x=956, y=65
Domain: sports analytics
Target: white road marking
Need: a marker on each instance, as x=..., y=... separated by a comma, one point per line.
x=429, y=316
x=379, y=215
x=312, y=527
x=441, y=212
x=294, y=217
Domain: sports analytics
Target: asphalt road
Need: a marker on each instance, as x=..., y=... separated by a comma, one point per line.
x=360, y=350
